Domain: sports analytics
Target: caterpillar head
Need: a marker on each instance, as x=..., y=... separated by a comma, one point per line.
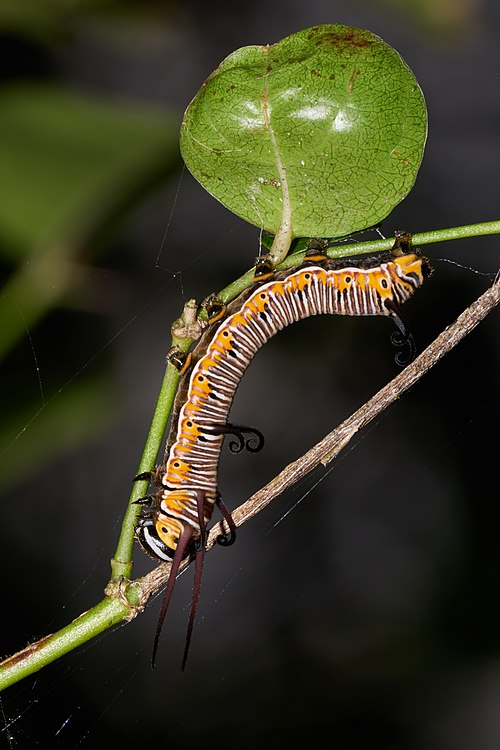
x=159, y=535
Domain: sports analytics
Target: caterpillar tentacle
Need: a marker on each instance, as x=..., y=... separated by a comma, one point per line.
x=238, y=431
x=403, y=339
x=225, y=540
x=198, y=571
x=180, y=551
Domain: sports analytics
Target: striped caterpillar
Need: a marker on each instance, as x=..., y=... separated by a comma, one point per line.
x=173, y=523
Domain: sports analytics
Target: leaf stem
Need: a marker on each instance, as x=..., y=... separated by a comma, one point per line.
x=283, y=237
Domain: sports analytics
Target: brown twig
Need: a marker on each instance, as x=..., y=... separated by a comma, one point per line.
x=333, y=443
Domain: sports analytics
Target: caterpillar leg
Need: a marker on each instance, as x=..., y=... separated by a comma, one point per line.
x=316, y=250
x=143, y=476
x=153, y=476
x=264, y=268
x=180, y=360
x=147, y=500
x=214, y=308
x=402, y=243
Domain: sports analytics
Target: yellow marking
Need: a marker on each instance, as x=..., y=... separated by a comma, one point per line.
x=217, y=316
x=303, y=280
x=261, y=301
x=192, y=406
x=262, y=277
x=223, y=341
x=188, y=428
x=197, y=399
x=250, y=309
x=315, y=258
x=183, y=448
x=169, y=530
x=177, y=469
x=345, y=280
x=361, y=280
x=380, y=281
x=238, y=320
x=277, y=288
x=212, y=358
x=202, y=387
x=411, y=263
x=292, y=283
x=185, y=367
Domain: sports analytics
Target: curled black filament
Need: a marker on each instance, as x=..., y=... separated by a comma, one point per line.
x=252, y=444
x=405, y=343
x=228, y=538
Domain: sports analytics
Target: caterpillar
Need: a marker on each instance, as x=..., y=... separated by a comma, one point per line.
x=174, y=520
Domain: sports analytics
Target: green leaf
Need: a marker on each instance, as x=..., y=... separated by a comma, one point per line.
x=324, y=130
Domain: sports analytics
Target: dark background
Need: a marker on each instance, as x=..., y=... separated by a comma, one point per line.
x=370, y=614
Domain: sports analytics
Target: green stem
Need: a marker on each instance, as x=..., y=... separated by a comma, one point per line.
x=37, y=655
x=182, y=338
x=360, y=248
x=121, y=564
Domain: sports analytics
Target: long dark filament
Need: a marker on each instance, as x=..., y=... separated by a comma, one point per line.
x=200, y=549
x=198, y=570
x=183, y=542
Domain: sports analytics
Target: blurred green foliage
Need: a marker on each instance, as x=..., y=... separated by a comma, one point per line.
x=46, y=19
x=74, y=416
x=72, y=165
x=68, y=161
